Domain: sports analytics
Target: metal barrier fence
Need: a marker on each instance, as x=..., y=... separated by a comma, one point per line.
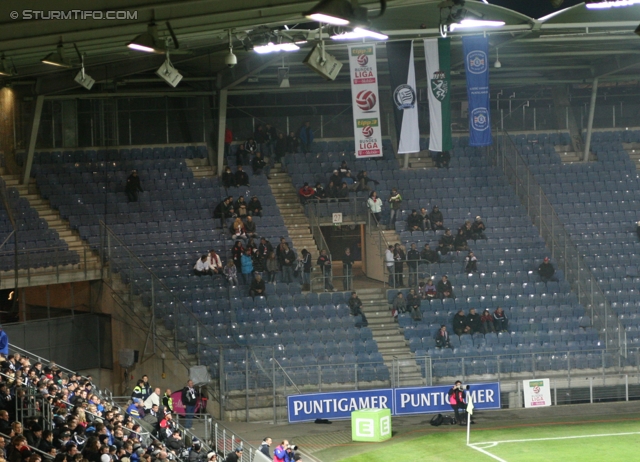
x=505, y=156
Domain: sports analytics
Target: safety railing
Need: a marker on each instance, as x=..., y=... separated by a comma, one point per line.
x=352, y=210
x=505, y=156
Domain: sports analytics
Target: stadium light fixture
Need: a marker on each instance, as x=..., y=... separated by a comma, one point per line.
x=5, y=69
x=148, y=41
x=342, y=13
x=605, y=4
x=360, y=33
x=474, y=23
x=57, y=58
x=275, y=47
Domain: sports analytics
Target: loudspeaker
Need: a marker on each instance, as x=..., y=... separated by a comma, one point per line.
x=199, y=375
x=327, y=66
x=128, y=358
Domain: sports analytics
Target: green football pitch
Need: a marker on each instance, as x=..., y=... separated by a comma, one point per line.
x=568, y=441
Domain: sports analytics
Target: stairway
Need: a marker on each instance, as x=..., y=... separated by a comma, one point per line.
x=292, y=212
x=71, y=237
x=201, y=168
x=420, y=159
x=633, y=149
x=387, y=334
x=569, y=156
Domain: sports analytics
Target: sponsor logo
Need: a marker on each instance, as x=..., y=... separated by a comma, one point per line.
x=404, y=97
x=365, y=428
x=480, y=119
x=366, y=100
x=357, y=51
x=477, y=62
x=439, y=85
x=367, y=131
x=366, y=122
x=385, y=426
x=363, y=60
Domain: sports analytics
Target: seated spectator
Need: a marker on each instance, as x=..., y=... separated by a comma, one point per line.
x=257, y=288
x=442, y=159
x=414, y=222
x=240, y=207
x=242, y=179
x=342, y=194
x=350, y=182
x=471, y=263
x=223, y=209
x=215, y=264
x=332, y=190
x=336, y=178
x=251, y=147
x=363, y=181
x=254, y=207
x=259, y=165
x=460, y=242
x=500, y=321
x=436, y=218
x=486, y=321
x=460, y=326
x=237, y=229
x=478, y=228
x=201, y=268
x=547, y=271
x=344, y=169
x=466, y=229
x=426, y=221
x=429, y=256
x=133, y=186
x=306, y=193
x=228, y=178
x=355, y=305
x=442, y=338
x=250, y=228
x=246, y=266
x=444, y=288
x=320, y=192
x=293, y=143
x=242, y=156
x=399, y=306
x=473, y=321
x=413, y=302
x=446, y=243
x=231, y=273
x=429, y=290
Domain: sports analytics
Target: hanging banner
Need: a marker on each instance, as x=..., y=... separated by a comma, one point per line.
x=367, y=132
x=476, y=62
x=437, y=54
x=402, y=74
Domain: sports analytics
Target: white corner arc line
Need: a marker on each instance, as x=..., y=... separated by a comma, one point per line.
x=487, y=453
x=486, y=445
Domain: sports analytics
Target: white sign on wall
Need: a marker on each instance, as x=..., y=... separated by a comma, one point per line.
x=537, y=393
x=337, y=218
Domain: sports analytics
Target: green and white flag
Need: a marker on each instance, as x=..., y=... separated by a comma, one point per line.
x=437, y=54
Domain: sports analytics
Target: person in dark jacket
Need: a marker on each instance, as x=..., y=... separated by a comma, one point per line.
x=460, y=242
x=473, y=321
x=306, y=137
x=242, y=156
x=478, y=228
x=436, y=218
x=500, y=321
x=347, y=269
x=471, y=263
x=413, y=304
x=257, y=288
x=442, y=338
x=189, y=400
x=236, y=255
x=133, y=186
x=321, y=193
x=355, y=306
x=259, y=165
x=460, y=326
x=413, y=259
x=254, y=207
x=467, y=230
x=442, y=159
x=342, y=193
x=250, y=147
x=242, y=179
x=547, y=271
x=286, y=258
x=235, y=456
x=280, y=147
x=429, y=256
x=228, y=178
x=446, y=243
x=414, y=222
x=264, y=447
x=306, y=269
x=293, y=143
x=444, y=288
x=486, y=321
x=363, y=180
x=399, y=257
x=457, y=402
x=426, y=221
x=324, y=262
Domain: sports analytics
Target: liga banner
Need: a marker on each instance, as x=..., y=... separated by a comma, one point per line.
x=402, y=74
x=437, y=54
x=367, y=132
x=537, y=392
x=476, y=62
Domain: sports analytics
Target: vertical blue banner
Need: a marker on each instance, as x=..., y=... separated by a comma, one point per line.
x=476, y=62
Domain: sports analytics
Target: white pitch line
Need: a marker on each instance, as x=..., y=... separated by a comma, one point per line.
x=487, y=453
x=563, y=438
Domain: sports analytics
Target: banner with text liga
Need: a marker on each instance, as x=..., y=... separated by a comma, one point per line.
x=476, y=62
x=367, y=132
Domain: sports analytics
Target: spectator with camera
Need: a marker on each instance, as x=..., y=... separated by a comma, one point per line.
x=285, y=452
x=458, y=403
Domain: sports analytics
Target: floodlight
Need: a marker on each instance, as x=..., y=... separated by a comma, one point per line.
x=148, y=41
x=604, y=4
x=5, y=69
x=360, y=33
x=57, y=58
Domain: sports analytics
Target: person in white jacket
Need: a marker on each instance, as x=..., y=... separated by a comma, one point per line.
x=202, y=266
x=390, y=263
x=375, y=205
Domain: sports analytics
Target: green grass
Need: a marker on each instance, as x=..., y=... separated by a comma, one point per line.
x=450, y=444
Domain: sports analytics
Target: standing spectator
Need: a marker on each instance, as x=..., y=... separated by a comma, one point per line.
x=413, y=259
x=242, y=179
x=153, y=399
x=471, y=263
x=246, y=264
x=306, y=193
x=167, y=401
x=287, y=259
x=251, y=147
x=259, y=165
x=399, y=257
x=237, y=229
x=4, y=343
x=473, y=321
x=264, y=446
x=390, y=263
x=262, y=139
x=236, y=255
x=272, y=267
x=347, y=269
x=486, y=321
x=255, y=207
x=429, y=256
x=201, y=268
x=324, y=262
x=272, y=136
x=414, y=222
x=189, y=399
x=446, y=243
x=228, y=178
x=426, y=221
x=231, y=273
x=235, y=456
x=242, y=156
x=375, y=206
x=436, y=218
x=442, y=159
x=478, y=228
x=293, y=143
x=395, y=202
x=280, y=148
x=355, y=306
x=460, y=242
x=547, y=271
x=442, y=338
x=399, y=306
x=444, y=288
x=429, y=290
x=344, y=169
x=306, y=137
x=257, y=288
x=500, y=321
x=228, y=139
x=413, y=302
x=215, y=264
x=133, y=186
x=306, y=269
x=460, y=326
x=265, y=248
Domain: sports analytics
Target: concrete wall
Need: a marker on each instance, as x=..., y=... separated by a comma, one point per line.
x=374, y=263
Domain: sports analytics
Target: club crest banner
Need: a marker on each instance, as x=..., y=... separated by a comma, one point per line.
x=476, y=63
x=367, y=132
x=402, y=74
x=437, y=54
